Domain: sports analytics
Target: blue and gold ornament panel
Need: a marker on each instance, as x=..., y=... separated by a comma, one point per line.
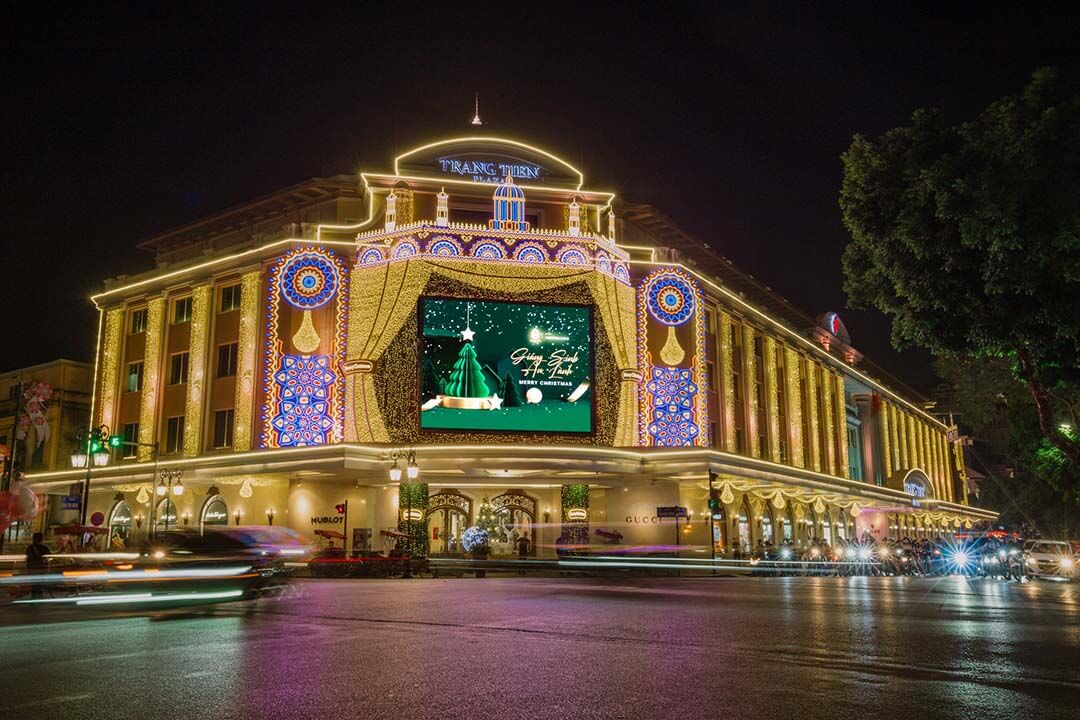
x=671, y=353
x=303, y=388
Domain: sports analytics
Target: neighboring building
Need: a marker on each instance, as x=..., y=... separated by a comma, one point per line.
x=55, y=405
x=66, y=411
x=531, y=349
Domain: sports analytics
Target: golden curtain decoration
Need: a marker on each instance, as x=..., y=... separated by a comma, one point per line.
x=383, y=299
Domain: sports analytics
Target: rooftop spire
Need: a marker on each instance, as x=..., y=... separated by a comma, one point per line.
x=476, y=114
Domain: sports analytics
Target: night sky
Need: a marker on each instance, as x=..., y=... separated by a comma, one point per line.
x=124, y=122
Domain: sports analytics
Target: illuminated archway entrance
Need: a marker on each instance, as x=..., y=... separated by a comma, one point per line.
x=516, y=512
x=449, y=513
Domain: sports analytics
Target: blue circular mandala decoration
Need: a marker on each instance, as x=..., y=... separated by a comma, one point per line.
x=405, y=248
x=371, y=256
x=444, y=247
x=572, y=256
x=487, y=251
x=308, y=281
x=603, y=262
x=530, y=254
x=670, y=299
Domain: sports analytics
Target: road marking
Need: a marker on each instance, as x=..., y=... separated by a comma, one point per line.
x=52, y=701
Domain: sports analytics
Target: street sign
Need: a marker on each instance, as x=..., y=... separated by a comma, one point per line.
x=97, y=518
x=672, y=511
x=71, y=502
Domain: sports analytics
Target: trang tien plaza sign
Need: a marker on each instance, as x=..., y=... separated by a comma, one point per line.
x=489, y=171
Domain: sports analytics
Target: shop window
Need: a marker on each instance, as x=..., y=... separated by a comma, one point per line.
x=138, y=321
x=215, y=513
x=134, y=377
x=178, y=368
x=165, y=514
x=223, y=429
x=120, y=526
x=130, y=434
x=181, y=310
x=174, y=435
x=226, y=359
x=230, y=299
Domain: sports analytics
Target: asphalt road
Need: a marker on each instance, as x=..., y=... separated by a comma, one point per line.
x=791, y=648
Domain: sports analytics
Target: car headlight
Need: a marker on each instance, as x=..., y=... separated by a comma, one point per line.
x=1066, y=563
x=961, y=559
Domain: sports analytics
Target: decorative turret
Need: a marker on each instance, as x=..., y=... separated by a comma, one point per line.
x=574, y=224
x=391, y=211
x=509, y=207
x=442, y=212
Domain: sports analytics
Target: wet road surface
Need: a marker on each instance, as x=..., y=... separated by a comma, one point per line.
x=790, y=648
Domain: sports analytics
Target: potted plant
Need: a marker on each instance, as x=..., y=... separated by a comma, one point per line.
x=476, y=541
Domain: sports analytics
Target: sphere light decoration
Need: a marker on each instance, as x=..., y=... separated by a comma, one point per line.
x=533, y=395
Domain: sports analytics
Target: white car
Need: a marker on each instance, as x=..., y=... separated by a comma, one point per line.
x=1052, y=559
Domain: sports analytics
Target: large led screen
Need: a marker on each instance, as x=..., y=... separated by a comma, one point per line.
x=512, y=367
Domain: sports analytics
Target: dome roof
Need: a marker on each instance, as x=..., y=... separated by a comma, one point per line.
x=507, y=190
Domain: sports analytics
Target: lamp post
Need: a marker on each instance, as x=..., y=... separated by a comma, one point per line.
x=169, y=483
x=91, y=450
x=412, y=471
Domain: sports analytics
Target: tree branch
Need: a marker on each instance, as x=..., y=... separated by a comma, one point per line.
x=1045, y=407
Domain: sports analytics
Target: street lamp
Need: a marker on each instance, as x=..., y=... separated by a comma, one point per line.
x=91, y=450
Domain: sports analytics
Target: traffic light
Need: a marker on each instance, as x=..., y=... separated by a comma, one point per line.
x=714, y=494
x=115, y=441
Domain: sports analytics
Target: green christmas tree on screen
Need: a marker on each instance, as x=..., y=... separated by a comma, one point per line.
x=467, y=377
x=432, y=384
x=510, y=392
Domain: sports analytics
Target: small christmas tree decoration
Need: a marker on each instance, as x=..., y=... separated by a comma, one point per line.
x=510, y=392
x=466, y=389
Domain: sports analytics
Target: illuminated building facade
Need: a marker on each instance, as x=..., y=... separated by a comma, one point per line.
x=513, y=343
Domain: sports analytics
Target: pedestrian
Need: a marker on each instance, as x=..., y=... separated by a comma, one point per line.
x=36, y=562
x=523, y=550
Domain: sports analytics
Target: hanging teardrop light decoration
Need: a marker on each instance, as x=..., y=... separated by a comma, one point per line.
x=245, y=488
x=819, y=506
x=143, y=497
x=778, y=500
x=726, y=496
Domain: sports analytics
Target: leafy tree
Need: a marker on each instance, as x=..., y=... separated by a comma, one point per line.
x=968, y=237
x=999, y=410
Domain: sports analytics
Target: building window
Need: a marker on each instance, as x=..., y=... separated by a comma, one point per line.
x=759, y=395
x=738, y=402
x=226, y=359
x=230, y=299
x=781, y=403
x=134, y=377
x=854, y=451
x=223, y=428
x=130, y=434
x=178, y=368
x=804, y=393
x=710, y=376
x=174, y=435
x=13, y=391
x=181, y=311
x=138, y=321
